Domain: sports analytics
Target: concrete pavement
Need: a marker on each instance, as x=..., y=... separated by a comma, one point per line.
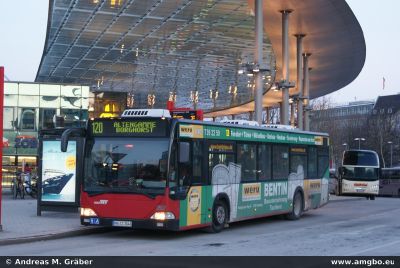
x=22, y=225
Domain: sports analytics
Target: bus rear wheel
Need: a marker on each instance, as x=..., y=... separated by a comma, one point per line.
x=297, y=208
x=219, y=217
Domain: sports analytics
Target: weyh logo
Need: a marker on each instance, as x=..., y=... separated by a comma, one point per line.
x=251, y=192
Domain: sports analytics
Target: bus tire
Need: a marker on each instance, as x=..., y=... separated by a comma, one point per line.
x=372, y=197
x=219, y=216
x=297, y=208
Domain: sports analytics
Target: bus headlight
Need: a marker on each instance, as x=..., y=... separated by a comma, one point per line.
x=375, y=187
x=162, y=216
x=88, y=212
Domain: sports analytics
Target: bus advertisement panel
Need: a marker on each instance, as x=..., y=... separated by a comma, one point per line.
x=58, y=172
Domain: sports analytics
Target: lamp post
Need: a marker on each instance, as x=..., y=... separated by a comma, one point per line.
x=359, y=142
x=391, y=153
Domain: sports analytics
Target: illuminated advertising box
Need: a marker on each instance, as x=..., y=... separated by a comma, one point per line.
x=58, y=172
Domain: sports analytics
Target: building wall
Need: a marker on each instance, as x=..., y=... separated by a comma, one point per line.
x=30, y=107
x=377, y=122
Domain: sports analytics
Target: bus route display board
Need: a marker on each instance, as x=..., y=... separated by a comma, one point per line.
x=190, y=114
x=131, y=128
x=228, y=133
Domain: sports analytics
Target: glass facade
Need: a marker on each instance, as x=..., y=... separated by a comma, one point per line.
x=30, y=107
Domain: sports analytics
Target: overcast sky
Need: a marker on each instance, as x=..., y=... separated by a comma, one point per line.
x=23, y=29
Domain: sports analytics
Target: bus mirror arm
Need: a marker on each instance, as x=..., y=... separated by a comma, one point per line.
x=67, y=134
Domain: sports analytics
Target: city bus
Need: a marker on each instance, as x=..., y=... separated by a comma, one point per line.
x=359, y=174
x=147, y=170
x=389, y=183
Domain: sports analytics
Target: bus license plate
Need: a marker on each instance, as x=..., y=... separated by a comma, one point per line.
x=359, y=190
x=122, y=223
x=95, y=221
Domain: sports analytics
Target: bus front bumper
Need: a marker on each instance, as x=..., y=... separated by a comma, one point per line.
x=171, y=225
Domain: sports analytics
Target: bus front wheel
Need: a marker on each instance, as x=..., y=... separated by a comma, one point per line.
x=297, y=208
x=219, y=217
x=372, y=197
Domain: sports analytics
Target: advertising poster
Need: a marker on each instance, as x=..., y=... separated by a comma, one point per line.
x=58, y=172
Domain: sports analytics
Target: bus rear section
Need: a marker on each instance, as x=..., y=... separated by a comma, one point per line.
x=359, y=174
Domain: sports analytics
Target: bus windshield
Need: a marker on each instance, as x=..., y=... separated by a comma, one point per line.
x=126, y=165
x=360, y=158
x=360, y=173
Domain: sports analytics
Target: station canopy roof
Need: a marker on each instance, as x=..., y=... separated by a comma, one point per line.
x=171, y=48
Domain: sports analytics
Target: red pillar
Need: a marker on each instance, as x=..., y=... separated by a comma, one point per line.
x=1, y=134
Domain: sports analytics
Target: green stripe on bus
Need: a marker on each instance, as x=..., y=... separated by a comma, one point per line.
x=315, y=200
x=228, y=133
x=183, y=213
x=326, y=174
x=206, y=198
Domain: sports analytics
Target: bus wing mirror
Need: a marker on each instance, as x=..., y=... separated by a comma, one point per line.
x=340, y=170
x=184, y=148
x=67, y=134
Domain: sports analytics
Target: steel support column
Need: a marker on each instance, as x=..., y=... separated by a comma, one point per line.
x=292, y=111
x=299, y=82
x=285, y=66
x=306, y=90
x=267, y=119
x=258, y=60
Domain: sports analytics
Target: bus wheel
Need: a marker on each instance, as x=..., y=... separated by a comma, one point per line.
x=372, y=197
x=297, y=208
x=219, y=217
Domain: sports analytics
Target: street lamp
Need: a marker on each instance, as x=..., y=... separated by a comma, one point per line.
x=391, y=153
x=345, y=146
x=359, y=142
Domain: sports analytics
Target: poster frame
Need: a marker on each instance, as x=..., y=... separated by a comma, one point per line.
x=55, y=135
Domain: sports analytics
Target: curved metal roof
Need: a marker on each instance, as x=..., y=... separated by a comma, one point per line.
x=157, y=47
x=152, y=47
x=333, y=36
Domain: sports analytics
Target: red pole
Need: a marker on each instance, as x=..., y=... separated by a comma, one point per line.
x=1, y=135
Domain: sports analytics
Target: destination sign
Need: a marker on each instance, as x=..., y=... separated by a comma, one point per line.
x=190, y=114
x=139, y=128
x=228, y=133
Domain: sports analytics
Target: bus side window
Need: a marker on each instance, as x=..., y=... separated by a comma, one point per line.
x=184, y=173
x=312, y=163
x=246, y=157
x=264, y=162
x=298, y=160
x=197, y=163
x=323, y=161
x=280, y=162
